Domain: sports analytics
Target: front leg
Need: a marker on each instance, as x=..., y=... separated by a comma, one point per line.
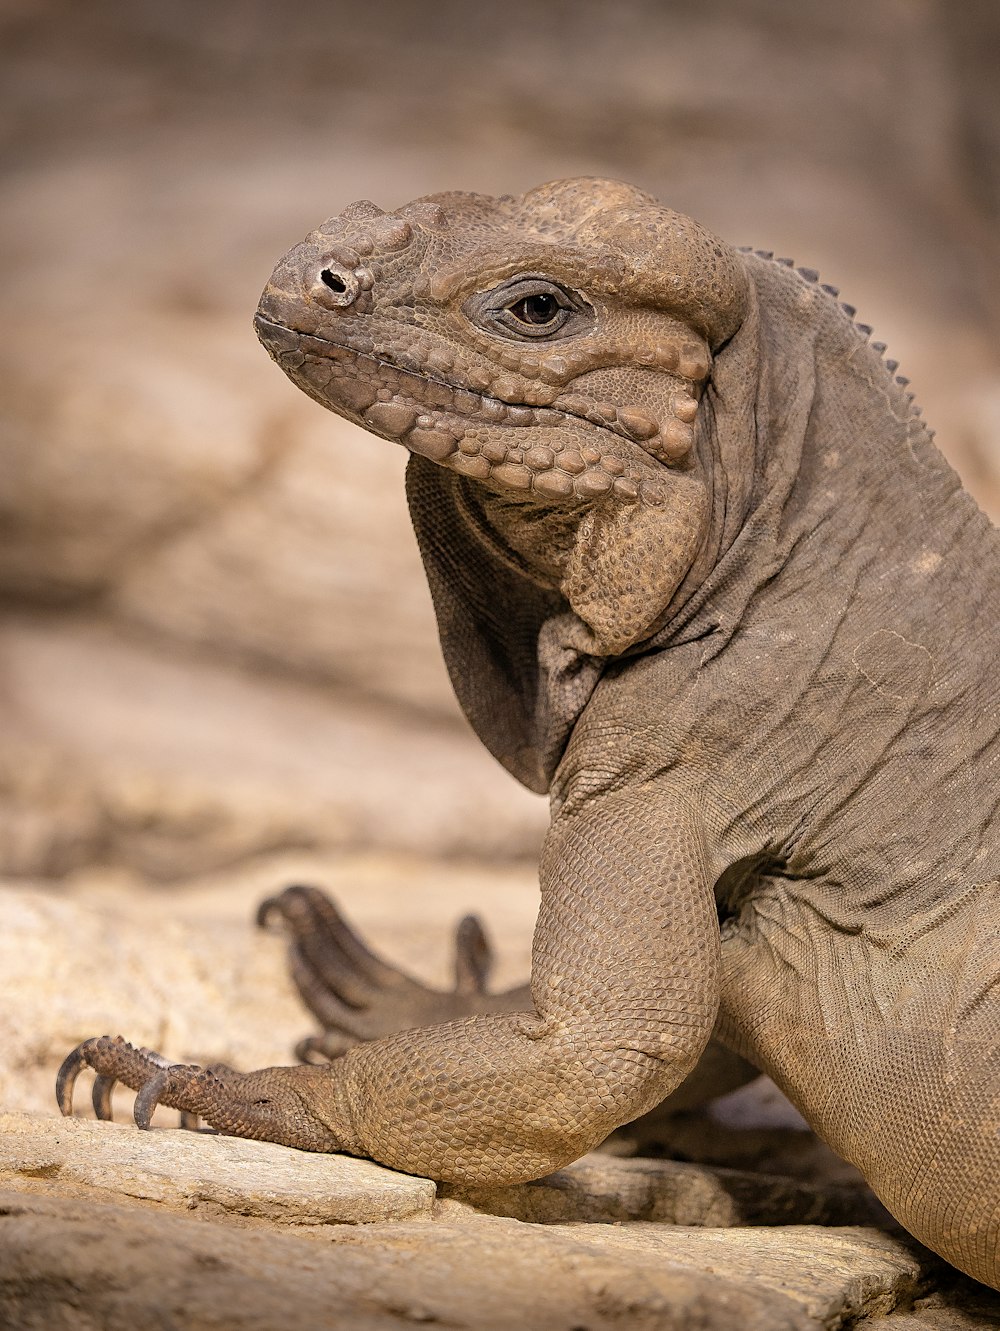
x=625, y=984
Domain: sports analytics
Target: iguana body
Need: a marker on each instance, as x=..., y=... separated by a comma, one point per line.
x=700, y=573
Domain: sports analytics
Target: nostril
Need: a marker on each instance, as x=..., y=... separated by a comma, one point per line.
x=340, y=286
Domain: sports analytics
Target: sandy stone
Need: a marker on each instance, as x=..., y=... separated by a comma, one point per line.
x=963, y=1305
x=287, y=572
x=200, y=993
x=827, y=1275
x=188, y=973
x=193, y=1169
x=120, y=1267
x=123, y=466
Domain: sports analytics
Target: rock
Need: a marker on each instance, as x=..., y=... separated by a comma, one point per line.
x=600, y=1188
x=123, y=751
x=827, y=1276
x=754, y=1128
x=312, y=569
x=961, y=1305
x=121, y=1267
x=193, y=1169
x=69, y=971
x=101, y=472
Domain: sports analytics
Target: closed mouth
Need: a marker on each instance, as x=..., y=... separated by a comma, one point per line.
x=445, y=422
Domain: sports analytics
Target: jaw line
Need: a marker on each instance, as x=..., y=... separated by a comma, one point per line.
x=402, y=369
x=452, y=388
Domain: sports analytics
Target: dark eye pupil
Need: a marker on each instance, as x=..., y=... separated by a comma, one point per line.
x=539, y=309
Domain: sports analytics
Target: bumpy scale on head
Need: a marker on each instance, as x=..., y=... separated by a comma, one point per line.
x=553, y=345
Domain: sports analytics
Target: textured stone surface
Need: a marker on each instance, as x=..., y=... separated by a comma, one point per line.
x=825, y=1275
x=194, y=1169
x=120, y=1267
x=207, y=993
x=600, y=1188
x=187, y=966
x=963, y=1306
x=287, y=572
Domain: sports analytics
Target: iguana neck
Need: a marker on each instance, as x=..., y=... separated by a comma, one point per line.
x=818, y=463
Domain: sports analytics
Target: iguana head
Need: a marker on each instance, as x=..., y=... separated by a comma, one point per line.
x=547, y=355
x=553, y=345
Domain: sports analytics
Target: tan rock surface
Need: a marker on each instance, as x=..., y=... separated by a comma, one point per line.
x=200, y=993
x=183, y=1169
x=186, y=970
x=121, y=1267
x=601, y=1188
x=965, y=1307
x=119, y=751
x=188, y=1170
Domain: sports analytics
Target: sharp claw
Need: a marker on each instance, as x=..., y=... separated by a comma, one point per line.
x=130, y=1065
x=67, y=1075
x=265, y=910
x=473, y=957
x=148, y=1098
x=306, y=1051
x=101, y=1096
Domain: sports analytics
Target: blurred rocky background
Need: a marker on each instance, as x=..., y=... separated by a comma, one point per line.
x=216, y=640
x=218, y=664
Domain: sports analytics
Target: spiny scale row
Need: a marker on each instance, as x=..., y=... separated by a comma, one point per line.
x=811, y=275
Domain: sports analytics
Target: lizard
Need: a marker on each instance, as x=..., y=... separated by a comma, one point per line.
x=701, y=576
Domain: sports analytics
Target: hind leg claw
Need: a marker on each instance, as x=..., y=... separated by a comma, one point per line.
x=355, y=995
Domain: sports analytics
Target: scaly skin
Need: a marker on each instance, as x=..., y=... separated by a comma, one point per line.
x=701, y=575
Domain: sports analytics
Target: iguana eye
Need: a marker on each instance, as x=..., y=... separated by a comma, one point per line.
x=531, y=306
x=538, y=310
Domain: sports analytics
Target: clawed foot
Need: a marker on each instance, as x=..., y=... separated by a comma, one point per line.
x=355, y=995
x=157, y=1080
x=271, y=1104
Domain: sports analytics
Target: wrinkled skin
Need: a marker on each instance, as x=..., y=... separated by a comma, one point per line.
x=700, y=575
